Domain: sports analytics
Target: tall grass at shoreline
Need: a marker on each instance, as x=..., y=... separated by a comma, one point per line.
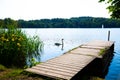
x=17, y=49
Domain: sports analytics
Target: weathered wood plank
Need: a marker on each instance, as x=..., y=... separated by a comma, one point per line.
x=60, y=66
x=92, y=47
x=100, y=43
x=58, y=69
x=86, y=51
x=69, y=64
x=76, y=62
x=49, y=74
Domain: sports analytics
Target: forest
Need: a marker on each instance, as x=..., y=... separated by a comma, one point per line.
x=74, y=22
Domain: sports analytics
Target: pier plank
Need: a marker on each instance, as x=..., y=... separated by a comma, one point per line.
x=100, y=43
x=92, y=47
x=86, y=51
x=69, y=64
x=49, y=74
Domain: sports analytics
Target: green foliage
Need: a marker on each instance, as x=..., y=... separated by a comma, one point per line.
x=16, y=49
x=8, y=22
x=10, y=73
x=33, y=62
x=114, y=8
x=102, y=51
x=74, y=22
x=2, y=68
x=14, y=72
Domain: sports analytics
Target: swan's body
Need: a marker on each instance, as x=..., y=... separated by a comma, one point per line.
x=58, y=44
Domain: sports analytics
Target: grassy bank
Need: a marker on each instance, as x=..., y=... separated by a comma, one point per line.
x=18, y=74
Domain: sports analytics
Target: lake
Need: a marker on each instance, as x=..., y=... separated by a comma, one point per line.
x=75, y=37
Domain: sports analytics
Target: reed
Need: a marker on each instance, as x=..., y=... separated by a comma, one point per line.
x=17, y=49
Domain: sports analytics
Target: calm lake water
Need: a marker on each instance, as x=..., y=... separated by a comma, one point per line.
x=75, y=37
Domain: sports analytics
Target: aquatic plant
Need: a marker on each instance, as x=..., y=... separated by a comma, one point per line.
x=17, y=49
x=102, y=51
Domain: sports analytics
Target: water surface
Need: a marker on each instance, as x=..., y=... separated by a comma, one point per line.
x=75, y=37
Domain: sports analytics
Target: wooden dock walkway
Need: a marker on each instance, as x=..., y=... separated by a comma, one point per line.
x=69, y=64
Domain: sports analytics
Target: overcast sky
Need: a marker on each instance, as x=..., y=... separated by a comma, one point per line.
x=39, y=9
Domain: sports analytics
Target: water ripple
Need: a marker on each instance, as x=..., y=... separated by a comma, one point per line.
x=114, y=69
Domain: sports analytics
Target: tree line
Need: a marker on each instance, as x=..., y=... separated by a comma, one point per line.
x=74, y=22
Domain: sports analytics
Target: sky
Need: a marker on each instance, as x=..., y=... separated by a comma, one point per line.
x=41, y=9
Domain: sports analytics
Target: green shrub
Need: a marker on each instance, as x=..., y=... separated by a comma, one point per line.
x=102, y=51
x=2, y=68
x=17, y=49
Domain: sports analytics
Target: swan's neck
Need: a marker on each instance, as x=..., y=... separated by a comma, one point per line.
x=62, y=42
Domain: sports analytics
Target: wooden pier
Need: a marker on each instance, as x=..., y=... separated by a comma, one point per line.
x=74, y=61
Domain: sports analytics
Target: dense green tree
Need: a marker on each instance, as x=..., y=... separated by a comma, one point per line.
x=8, y=22
x=74, y=22
x=114, y=7
x=1, y=22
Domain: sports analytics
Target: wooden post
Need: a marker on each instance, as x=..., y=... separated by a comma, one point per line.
x=108, y=35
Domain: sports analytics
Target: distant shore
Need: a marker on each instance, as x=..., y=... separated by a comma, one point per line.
x=74, y=22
